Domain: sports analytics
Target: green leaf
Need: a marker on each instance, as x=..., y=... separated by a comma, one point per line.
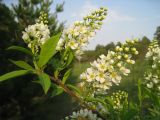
x=68, y=61
x=56, y=90
x=45, y=81
x=22, y=49
x=70, y=58
x=22, y=64
x=74, y=88
x=48, y=50
x=66, y=75
x=14, y=74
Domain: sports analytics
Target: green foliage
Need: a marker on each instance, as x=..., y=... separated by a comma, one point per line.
x=14, y=74
x=22, y=64
x=157, y=33
x=74, y=88
x=66, y=75
x=21, y=49
x=44, y=81
x=18, y=101
x=56, y=90
x=48, y=50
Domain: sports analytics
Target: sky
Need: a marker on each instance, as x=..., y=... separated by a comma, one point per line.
x=126, y=19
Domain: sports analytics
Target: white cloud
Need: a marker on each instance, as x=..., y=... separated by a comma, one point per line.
x=115, y=16
x=87, y=8
x=84, y=10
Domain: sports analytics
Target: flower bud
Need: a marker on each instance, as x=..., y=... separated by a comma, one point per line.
x=136, y=52
x=132, y=62
x=133, y=49
x=120, y=49
x=128, y=41
x=135, y=40
x=126, y=49
x=119, y=64
x=126, y=56
x=119, y=57
x=132, y=42
x=117, y=48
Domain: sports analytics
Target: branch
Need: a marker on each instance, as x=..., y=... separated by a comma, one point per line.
x=65, y=88
x=72, y=94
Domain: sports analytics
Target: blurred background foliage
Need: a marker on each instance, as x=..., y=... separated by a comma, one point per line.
x=21, y=99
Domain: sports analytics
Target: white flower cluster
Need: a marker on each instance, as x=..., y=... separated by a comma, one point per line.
x=118, y=99
x=152, y=76
x=83, y=115
x=78, y=35
x=152, y=81
x=109, y=69
x=36, y=35
x=153, y=53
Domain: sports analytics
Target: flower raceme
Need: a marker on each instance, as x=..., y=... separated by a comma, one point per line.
x=109, y=69
x=77, y=36
x=118, y=99
x=83, y=115
x=152, y=77
x=37, y=34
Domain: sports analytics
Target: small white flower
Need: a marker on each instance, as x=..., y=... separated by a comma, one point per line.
x=119, y=64
x=154, y=66
x=83, y=76
x=90, y=75
x=73, y=44
x=25, y=36
x=150, y=85
x=83, y=115
x=119, y=57
x=125, y=71
x=100, y=76
x=115, y=78
x=155, y=80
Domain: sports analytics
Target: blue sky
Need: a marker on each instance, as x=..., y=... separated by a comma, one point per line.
x=126, y=18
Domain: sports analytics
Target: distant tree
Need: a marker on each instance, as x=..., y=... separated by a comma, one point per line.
x=145, y=40
x=110, y=46
x=118, y=44
x=98, y=47
x=142, y=47
x=157, y=33
x=7, y=34
x=18, y=97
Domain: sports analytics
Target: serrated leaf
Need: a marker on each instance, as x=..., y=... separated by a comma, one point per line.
x=56, y=90
x=66, y=75
x=21, y=49
x=48, y=50
x=14, y=74
x=45, y=81
x=22, y=64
